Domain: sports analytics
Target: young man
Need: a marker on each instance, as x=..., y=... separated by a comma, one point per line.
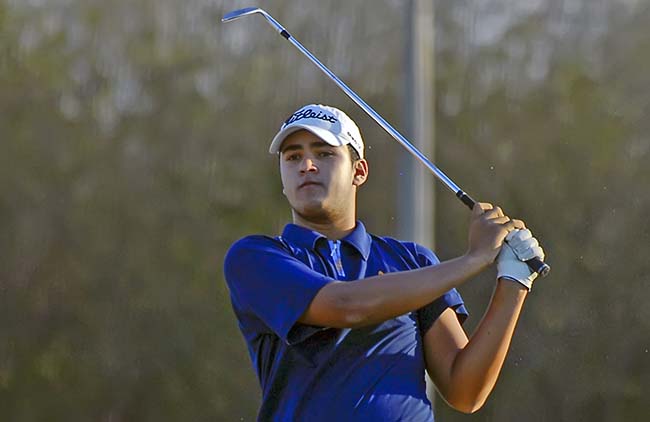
x=341, y=324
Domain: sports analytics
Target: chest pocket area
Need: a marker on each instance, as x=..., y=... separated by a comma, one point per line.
x=401, y=258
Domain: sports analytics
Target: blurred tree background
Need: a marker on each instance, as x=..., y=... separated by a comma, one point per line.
x=133, y=138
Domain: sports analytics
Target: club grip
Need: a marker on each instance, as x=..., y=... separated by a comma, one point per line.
x=535, y=264
x=539, y=266
x=466, y=199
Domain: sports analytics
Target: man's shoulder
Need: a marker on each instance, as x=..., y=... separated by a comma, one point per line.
x=253, y=239
x=254, y=243
x=248, y=253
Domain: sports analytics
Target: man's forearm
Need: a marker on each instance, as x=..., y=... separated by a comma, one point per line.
x=477, y=366
x=380, y=298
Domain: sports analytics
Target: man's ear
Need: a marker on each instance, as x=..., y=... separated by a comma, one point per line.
x=360, y=172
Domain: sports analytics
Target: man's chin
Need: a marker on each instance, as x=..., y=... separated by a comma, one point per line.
x=313, y=212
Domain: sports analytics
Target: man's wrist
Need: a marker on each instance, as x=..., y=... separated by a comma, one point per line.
x=474, y=263
x=514, y=283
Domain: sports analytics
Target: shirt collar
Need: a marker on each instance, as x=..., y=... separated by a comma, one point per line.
x=307, y=238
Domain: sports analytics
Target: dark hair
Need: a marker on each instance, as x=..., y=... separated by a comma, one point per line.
x=354, y=155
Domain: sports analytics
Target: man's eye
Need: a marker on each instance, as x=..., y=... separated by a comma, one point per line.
x=325, y=154
x=292, y=157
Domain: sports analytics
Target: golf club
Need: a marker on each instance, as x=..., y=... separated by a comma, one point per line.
x=535, y=264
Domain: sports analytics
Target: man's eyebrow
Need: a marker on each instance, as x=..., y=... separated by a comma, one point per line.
x=293, y=147
x=296, y=147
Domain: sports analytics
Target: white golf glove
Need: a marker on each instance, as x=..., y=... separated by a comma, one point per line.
x=521, y=246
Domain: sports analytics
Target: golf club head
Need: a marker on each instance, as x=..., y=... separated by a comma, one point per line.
x=236, y=14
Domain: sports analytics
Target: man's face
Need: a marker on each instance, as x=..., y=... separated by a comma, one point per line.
x=319, y=180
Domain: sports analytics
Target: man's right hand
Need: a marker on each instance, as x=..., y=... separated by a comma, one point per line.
x=488, y=228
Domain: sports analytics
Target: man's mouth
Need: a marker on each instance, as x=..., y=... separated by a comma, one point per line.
x=309, y=183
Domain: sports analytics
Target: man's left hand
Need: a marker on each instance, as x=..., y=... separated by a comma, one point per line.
x=520, y=246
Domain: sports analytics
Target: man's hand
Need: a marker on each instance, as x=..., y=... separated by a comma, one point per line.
x=521, y=246
x=488, y=229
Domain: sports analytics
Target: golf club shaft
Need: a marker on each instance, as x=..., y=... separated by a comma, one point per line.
x=535, y=264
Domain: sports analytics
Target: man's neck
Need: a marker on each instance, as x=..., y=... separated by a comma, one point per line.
x=332, y=229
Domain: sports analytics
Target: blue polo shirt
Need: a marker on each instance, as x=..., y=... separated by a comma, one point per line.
x=310, y=373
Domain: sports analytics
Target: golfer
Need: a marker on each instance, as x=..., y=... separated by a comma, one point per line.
x=341, y=324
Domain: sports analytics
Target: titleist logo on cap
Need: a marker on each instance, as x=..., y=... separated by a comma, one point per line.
x=310, y=114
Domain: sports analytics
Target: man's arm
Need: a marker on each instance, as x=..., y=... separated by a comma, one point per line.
x=376, y=299
x=380, y=298
x=466, y=370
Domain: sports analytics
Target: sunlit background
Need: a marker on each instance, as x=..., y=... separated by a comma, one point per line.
x=133, y=152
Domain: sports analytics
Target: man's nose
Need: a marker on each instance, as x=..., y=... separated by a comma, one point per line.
x=308, y=166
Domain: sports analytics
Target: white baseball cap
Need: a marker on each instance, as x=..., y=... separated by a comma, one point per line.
x=328, y=123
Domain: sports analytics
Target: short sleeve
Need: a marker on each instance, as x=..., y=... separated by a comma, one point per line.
x=430, y=313
x=265, y=280
x=452, y=299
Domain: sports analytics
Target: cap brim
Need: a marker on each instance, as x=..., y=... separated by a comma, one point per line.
x=323, y=134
